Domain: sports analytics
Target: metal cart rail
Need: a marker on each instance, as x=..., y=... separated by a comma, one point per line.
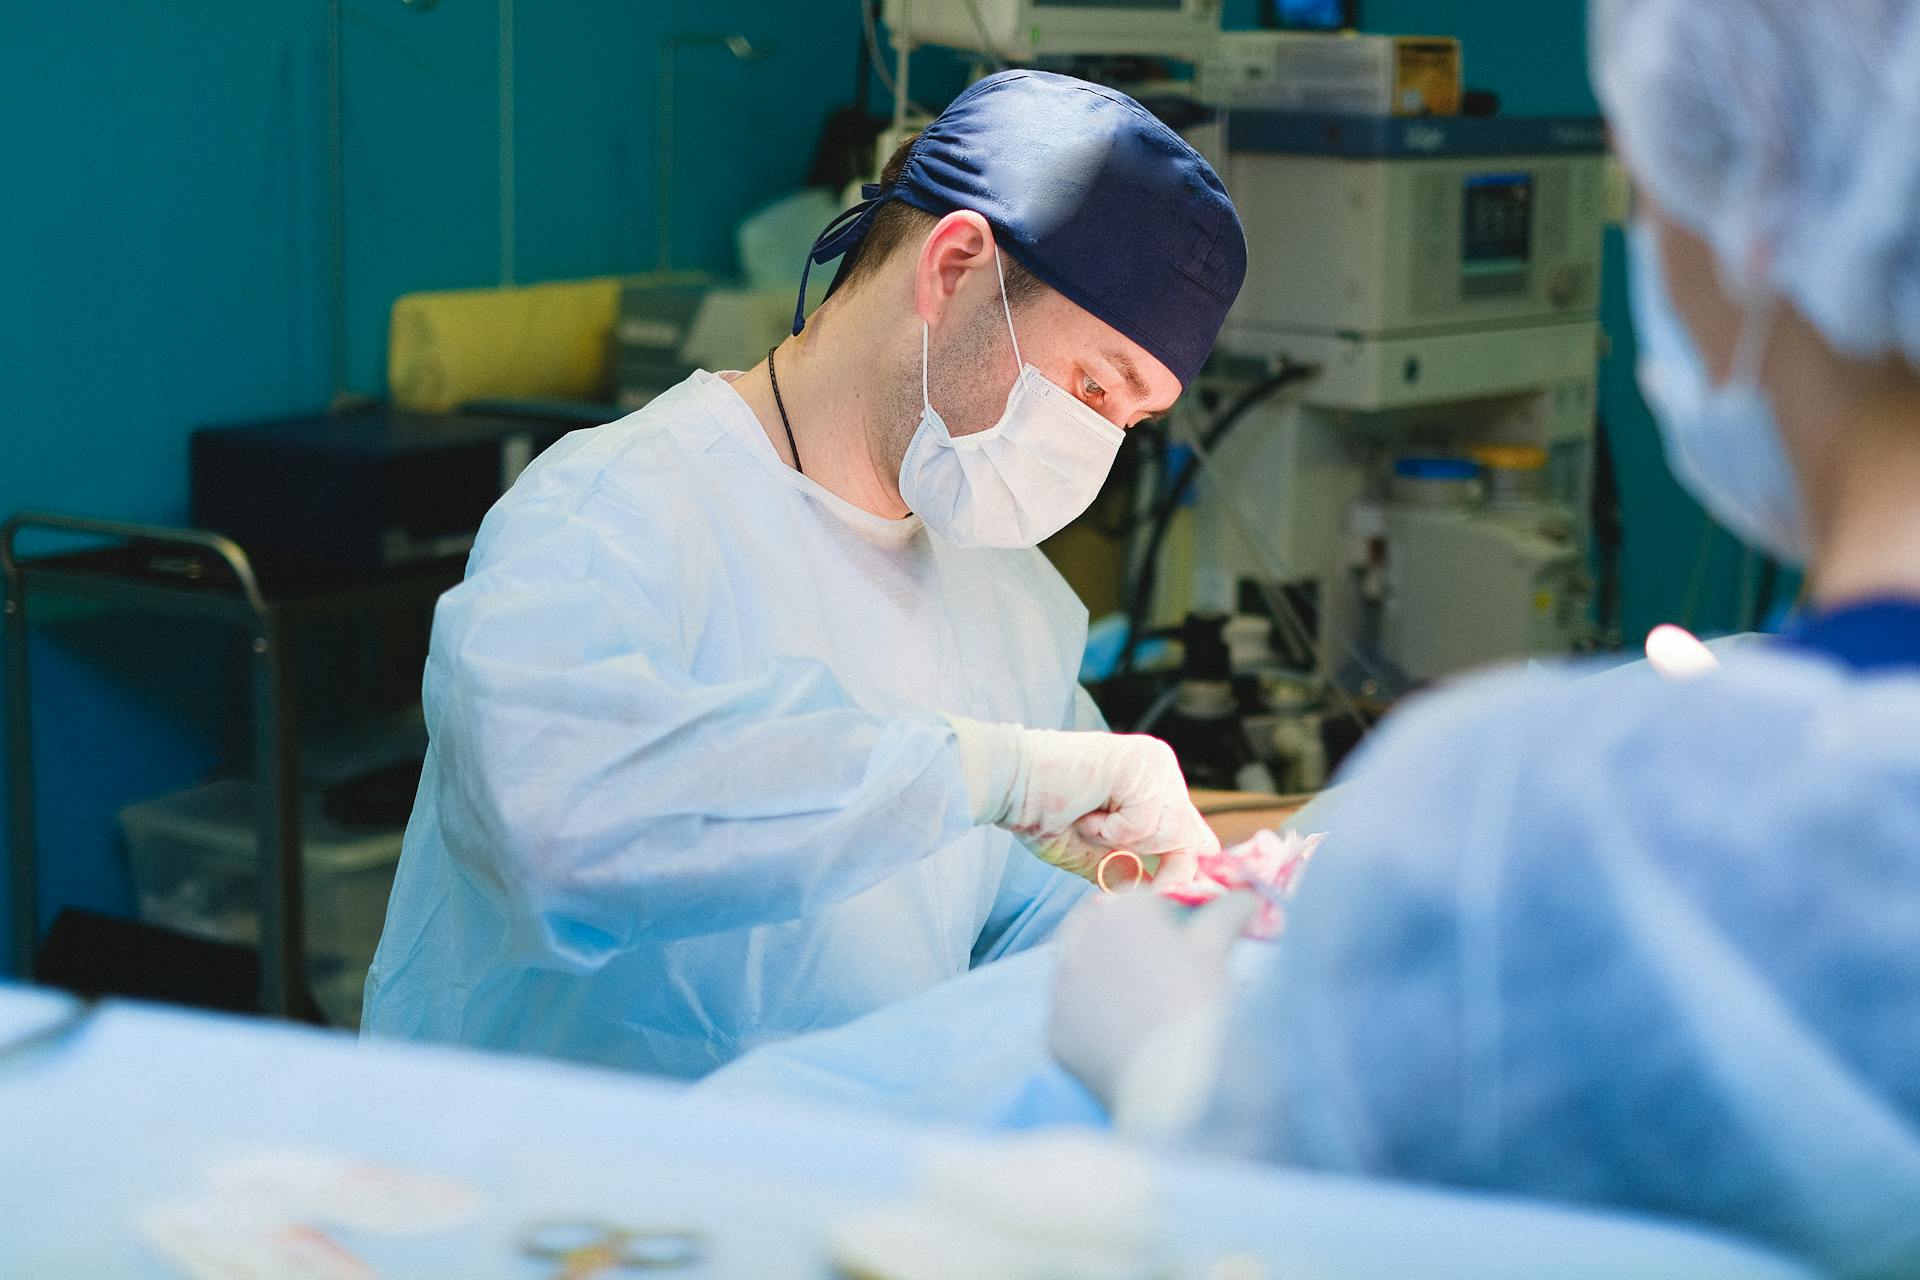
x=209, y=576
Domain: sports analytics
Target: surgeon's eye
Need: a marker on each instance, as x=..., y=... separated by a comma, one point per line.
x=1091, y=390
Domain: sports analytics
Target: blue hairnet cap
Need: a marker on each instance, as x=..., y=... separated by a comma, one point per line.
x=1091, y=193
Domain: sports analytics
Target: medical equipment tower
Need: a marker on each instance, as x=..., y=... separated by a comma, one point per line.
x=1426, y=491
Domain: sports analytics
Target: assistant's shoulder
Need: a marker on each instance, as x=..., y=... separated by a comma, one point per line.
x=1524, y=724
x=1492, y=762
x=1538, y=712
x=1558, y=759
x=1445, y=731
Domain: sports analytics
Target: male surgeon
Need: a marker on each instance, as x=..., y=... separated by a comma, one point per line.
x=757, y=709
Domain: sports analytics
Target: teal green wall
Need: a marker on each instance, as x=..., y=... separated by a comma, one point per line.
x=163, y=265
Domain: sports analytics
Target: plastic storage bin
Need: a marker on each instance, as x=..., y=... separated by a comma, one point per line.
x=195, y=864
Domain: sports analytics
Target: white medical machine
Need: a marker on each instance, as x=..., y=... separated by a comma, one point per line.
x=1420, y=502
x=1423, y=497
x=1021, y=30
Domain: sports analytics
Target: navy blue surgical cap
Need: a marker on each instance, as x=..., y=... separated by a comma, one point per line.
x=1090, y=193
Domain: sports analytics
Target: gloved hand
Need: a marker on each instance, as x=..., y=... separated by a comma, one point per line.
x=1134, y=966
x=1268, y=865
x=1073, y=798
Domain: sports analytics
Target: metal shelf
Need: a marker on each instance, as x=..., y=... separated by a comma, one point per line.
x=193, y=573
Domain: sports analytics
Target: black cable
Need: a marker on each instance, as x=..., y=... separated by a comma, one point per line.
x=1768, y=588
x=863, y=68
x=1162, y=519
x=1608, y=531
x=781, y=405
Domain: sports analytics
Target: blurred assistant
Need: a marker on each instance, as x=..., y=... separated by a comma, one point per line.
x=1644, y=939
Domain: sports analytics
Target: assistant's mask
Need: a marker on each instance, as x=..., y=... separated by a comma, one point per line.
x=1723, y=442
x=1021, y=480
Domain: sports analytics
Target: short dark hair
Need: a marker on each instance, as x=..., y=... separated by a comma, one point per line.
x=897, y=222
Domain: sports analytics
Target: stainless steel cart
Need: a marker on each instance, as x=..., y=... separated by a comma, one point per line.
x=190, y=572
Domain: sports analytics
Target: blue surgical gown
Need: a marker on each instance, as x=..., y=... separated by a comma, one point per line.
x=689, y=790
x=1621, y=940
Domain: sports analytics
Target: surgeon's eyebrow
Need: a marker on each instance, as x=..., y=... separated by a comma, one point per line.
x=1135, y=383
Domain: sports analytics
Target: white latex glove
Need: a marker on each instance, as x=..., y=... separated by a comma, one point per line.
x=1072, y=798
x=1133, y=966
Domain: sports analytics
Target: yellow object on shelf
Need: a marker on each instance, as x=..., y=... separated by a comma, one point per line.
x=1344, y=73
x=538, y=342
x=1511, y=457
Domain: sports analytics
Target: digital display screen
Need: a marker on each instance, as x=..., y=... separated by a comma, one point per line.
x=1312, y=15
x=1496, y=223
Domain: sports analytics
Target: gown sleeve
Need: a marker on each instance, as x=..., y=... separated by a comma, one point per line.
x=605, y=797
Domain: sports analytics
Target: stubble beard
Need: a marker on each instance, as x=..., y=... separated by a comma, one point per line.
x=966, y=401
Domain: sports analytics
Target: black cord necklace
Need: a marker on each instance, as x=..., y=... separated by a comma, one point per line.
x=781, y=405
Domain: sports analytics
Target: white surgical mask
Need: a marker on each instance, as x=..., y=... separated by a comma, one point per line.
x=1021, y=480
x=1723, y=443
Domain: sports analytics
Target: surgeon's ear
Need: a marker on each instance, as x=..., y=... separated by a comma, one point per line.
x=959, y=244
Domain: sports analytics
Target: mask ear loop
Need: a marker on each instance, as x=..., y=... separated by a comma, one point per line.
x=1756, y=328
x=1750, y=353
x=1019, y=365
